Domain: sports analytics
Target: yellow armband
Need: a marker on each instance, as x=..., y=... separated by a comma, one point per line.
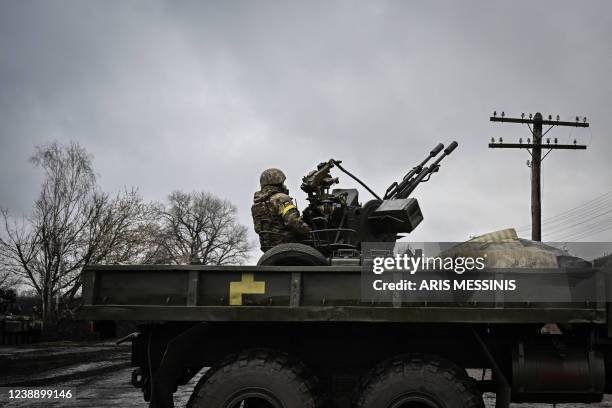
x=286, y=209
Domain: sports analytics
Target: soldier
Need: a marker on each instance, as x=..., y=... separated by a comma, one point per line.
x=275, y=216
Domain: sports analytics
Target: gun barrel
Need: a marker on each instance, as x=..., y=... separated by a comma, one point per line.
x=433, y=153
x=436, y=150
x=410, y=187
x=451, y=147
x=416, y=170
x=405, y=189
x=447, y=152
x=396, y=188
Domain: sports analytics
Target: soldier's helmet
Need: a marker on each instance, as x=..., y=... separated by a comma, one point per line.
x=272, y=177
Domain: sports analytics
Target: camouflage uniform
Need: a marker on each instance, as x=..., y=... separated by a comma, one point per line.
x=275, y=216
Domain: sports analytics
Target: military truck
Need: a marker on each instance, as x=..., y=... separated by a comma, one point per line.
x=15, y=328
x=295, y=331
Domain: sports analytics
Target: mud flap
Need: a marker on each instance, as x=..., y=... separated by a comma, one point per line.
x=503, y=391
x=177, y=356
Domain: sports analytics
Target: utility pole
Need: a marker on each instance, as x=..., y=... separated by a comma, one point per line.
x=535, y=150
x=536, y=196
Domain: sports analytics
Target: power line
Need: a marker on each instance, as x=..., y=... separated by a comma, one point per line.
x=580, y=209
x=585, y=227
x=604, y=199
x=562, y=236
x=563, y=223
x=577, y=220
x=601, y=228
x=578, y=225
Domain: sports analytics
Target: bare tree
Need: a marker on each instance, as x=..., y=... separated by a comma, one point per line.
x=7, y=279
x=199, y=227
x=117, y=230
x=72, y=225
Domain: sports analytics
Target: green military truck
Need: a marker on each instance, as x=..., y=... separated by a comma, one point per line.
x=299, y=336
x=296, y=331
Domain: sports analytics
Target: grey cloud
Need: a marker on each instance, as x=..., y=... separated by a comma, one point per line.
x=204, y=95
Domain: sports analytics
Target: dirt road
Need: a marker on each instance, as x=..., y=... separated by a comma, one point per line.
x=100, y=373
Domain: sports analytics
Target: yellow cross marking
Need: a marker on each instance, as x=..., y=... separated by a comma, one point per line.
x=245, y=286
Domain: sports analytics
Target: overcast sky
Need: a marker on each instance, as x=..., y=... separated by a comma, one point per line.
x=204, y=96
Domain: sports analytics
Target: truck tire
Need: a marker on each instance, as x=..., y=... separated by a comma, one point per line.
x=418, y=381
x=258, y=378
x=293, y=254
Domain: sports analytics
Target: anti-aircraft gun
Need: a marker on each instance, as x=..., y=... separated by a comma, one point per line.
x=340, y=222
x=326, y=210
x=300, y=330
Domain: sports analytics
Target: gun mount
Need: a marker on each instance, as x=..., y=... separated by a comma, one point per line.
x=340, y=222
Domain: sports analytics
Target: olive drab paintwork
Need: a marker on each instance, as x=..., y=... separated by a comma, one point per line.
x=275, y=216
x=197, y=315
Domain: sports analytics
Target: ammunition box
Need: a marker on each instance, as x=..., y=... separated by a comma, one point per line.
x=397, y=216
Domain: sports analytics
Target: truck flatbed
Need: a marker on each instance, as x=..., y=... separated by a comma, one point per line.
x=284, y=293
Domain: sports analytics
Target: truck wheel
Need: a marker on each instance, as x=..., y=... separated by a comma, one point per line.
x=292, y=254
x=418, y=381
x=256, y=379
